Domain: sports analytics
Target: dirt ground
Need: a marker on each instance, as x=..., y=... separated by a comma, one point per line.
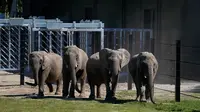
x=9, y=86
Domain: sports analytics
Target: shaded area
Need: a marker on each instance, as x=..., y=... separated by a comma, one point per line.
x=34, y=96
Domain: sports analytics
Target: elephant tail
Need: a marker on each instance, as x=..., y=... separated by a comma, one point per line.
x=151, y=85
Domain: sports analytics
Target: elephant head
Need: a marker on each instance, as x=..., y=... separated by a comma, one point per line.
x=71, y=58
x=37, y=62
x=113, y=61
x=148, y=66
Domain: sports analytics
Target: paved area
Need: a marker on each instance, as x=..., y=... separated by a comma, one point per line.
x=9, y=85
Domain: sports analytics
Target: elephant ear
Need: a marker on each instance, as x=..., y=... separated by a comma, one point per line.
x=45, y=62
x=125, y=57
x=103, y=56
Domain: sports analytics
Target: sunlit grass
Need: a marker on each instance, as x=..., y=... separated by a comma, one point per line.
x=125, y=103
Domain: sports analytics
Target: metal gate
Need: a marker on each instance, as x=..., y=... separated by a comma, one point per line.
x=19, y=37
x=12, y=38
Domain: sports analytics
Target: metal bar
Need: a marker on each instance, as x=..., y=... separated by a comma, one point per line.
x=72, y=38
x=61, y=43
x=39, y=40
x=102, y=39
x=121, y=38
x=9, y=47
x=50, y=41
x=114, y=37
x=91, y=30
x=86, y=42
x=124, y=38
x=144, y=40
x=19, y=41
x=141, y=40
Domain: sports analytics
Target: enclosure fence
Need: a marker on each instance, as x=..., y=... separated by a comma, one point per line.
x=19, y=37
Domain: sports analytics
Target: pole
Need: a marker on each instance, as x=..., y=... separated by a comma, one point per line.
x=177, y=86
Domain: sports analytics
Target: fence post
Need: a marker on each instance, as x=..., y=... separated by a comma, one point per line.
x=22, y=61
x=178, y=58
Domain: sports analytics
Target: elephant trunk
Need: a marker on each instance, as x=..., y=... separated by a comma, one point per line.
x=35, y=76
x=115, y=68
x=73, y=77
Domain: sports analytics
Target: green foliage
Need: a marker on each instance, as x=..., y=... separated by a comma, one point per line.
x=5, y=7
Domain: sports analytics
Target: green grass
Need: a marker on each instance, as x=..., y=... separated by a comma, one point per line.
x=123, y=105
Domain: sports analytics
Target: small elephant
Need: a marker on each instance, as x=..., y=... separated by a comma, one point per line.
x=47, y=68
x=74, y=68
x=112, y=61
x=143, y=68
x=94, y=75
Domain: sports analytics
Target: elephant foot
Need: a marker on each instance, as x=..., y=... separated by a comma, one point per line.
x=81, y=96
x=64, y=95
x=57, y=93
x=40, y=95
x=136, y=99
x=71, y=96
x=99, y=96
x=91, y=97
x=113, y=98
x=143, y=100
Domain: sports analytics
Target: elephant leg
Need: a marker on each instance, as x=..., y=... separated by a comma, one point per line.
x=58, y=89
x=137, y=88
x=137, y=93
x=142, y=93
x=49, y=85
x=108, y=91
x=114, y=86
x=42, y=79
x=82, y=81
x=98, y=91
x=66, y=81
x=92, y=91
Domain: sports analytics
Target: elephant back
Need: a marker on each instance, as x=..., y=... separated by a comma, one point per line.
x=132, y=63
x=149, y=58
x=95, y=56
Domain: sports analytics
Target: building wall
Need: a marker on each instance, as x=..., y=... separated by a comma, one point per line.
x=173, y=20
x=190, y=39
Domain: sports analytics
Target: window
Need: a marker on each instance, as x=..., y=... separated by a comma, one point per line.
x=148, y=18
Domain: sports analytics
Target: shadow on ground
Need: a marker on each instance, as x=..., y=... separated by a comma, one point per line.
x=34, y=96
x=196, y=89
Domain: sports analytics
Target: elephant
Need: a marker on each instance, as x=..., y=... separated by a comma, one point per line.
x=94, y=75
x=74, y=69
x=143, y=68
x=112, y=61
x=47, y=68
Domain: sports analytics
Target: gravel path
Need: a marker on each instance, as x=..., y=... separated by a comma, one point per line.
x=9, y=85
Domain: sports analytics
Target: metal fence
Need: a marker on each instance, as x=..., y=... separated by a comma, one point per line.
x=19, y=36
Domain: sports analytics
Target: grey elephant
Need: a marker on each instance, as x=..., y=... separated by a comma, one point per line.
x=112, y=61
x=94, y=75
x=47, y=68
x=74, y=69
x=143, y=68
